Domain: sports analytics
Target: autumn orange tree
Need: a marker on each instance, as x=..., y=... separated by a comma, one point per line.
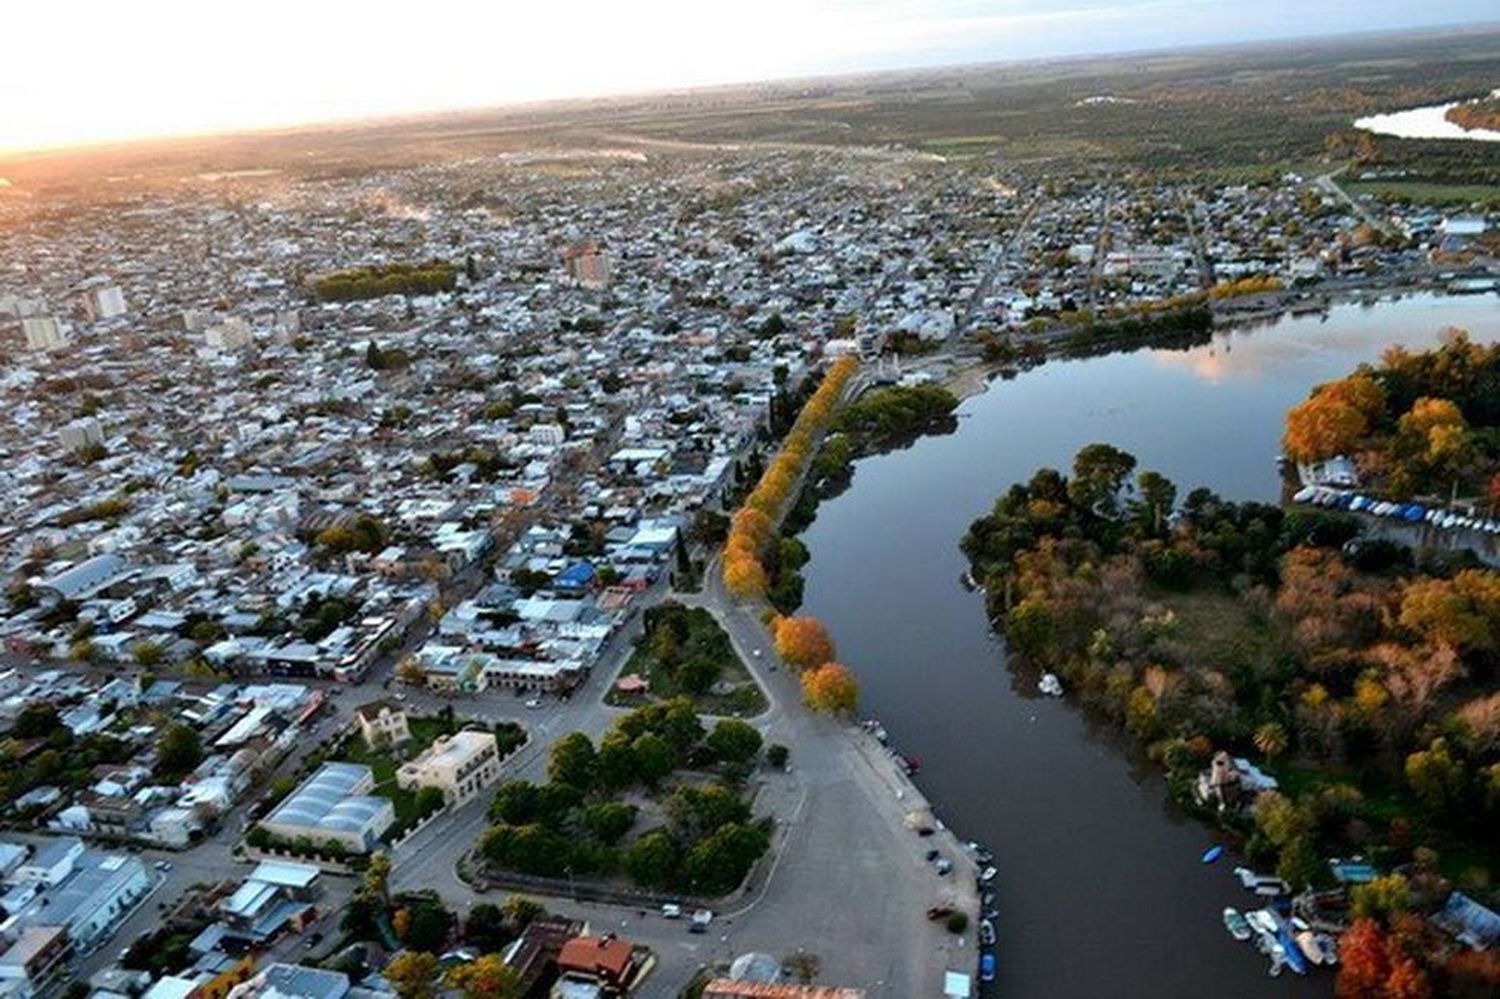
x=754, y=524
x=1334, y=419
x=830, y=688
x=802, y=641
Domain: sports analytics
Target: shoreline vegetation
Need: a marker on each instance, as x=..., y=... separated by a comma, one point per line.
x=1481, y=114
x=1361, y=675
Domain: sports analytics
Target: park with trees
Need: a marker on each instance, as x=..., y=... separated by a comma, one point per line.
x=1360, y=673
x=661, y=804
x=683, y=652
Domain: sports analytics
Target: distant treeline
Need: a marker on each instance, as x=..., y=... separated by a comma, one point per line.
x=379, y=280
x=1193, y=321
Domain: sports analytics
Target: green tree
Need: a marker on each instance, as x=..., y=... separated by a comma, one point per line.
x=721, y=861
x=652, y=860
x=1435, y=776
x=377, y=876
x=573, y=761
x=178, y=751
x=653, y=758
x=486, y=929
x=733, y=740
x=1100, y=471
x=147, y=654
x=609, y=821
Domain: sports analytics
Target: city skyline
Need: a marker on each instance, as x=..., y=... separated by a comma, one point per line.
x=168, y=71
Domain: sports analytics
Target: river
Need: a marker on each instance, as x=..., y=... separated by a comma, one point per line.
x=1428, y=122
x=1101, y=892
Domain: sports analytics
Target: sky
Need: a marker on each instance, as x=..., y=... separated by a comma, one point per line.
x=78, y=71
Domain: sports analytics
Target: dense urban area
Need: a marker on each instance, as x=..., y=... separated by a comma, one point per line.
x=401, y=572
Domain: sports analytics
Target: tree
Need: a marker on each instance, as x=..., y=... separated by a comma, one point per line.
x=1100, y=471
x=410, y=672
x=428, y=922
x=1158, y=498
x=178, y=751
x=1462, y=612
x=1271, y=739
x=486, y=929
x=652, y=859
x=573, y=761
x=1435, y=776
x=377, y=876
x=721, y=860
x=1364, y=965
x=609, y=821
x=744, y=576
x=413, y=974
x=802, y=641
x=777, y=755
x=487, y=977
x=1334, y=419
x=521, y=912
x=831, y=688
x=1407, y=980
x=733, y=740
x=680, y=726
x=1385, y=896
x=36, y=720
x=653, y=758
x=148, y=654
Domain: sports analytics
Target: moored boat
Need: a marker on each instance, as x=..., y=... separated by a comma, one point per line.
x=1237, y=925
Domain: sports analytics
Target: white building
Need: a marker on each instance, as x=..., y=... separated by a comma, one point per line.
x=335, y=803
x=232, y=334
x=44, y=333
x=460, y=765
x=81, y=433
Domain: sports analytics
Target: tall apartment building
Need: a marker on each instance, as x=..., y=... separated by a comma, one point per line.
x=44, y=333
x=97, y=299
x=587, y=264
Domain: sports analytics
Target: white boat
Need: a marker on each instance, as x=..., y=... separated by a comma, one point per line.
x=1050, y=685
x=1263, y=921
x=987, y=875
x=1237, y=925
x=987, y=933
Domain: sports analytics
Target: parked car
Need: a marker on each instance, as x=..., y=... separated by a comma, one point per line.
x=535, y=702
x=671, y=911
x=700, y=921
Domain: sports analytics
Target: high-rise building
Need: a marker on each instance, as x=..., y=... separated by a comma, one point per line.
x=97, y=299
x=81, y=433
x=587, y=264
x=232, y=334
x=44, y=333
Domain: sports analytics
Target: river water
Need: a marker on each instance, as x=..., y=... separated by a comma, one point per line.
x=1428, y=122
x=1101, y=892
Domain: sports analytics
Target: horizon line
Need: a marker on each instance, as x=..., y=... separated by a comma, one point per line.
x=22, y=154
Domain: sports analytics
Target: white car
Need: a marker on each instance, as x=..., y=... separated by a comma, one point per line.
x=671, y=911
x=535, y=702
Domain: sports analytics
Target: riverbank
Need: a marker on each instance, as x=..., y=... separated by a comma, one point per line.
x=1071, y=817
